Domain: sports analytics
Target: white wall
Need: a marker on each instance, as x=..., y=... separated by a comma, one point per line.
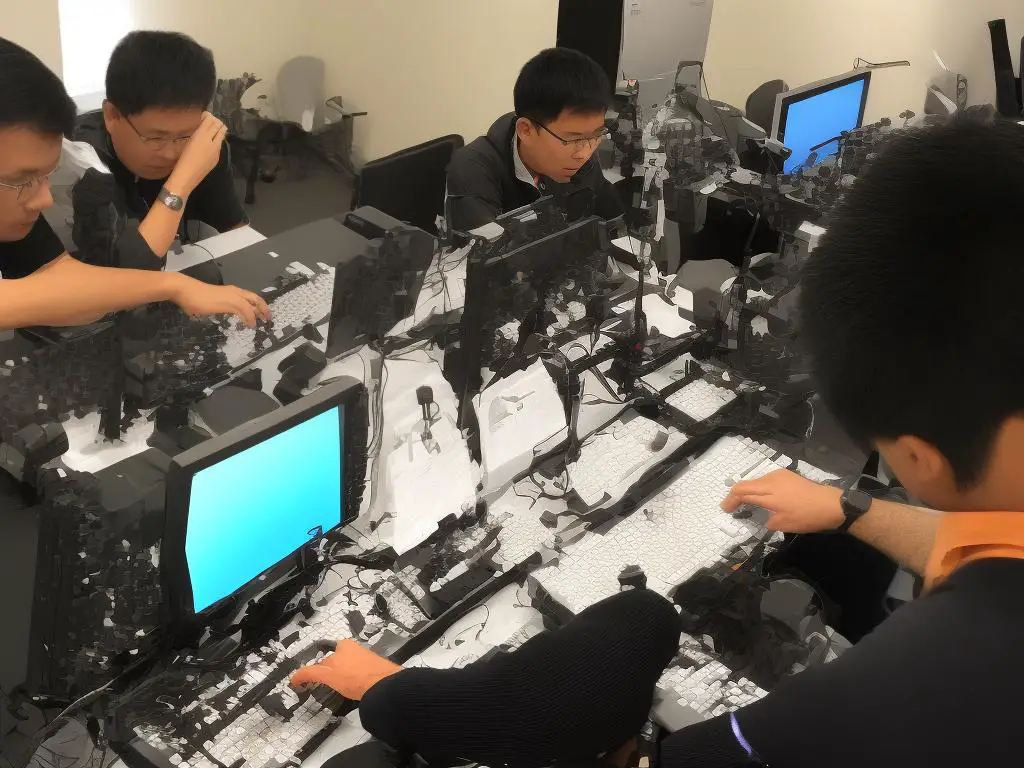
x=245, y=35
x=425, y=69
x=35, y=26
x=802, y=41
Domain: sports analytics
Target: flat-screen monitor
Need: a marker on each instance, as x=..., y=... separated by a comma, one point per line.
x=809, y=116
x=240, y=505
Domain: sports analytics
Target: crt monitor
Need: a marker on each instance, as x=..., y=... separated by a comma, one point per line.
x=241, y=505
x=813, y=114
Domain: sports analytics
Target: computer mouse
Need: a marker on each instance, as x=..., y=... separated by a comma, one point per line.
x=206, y=272
x=660, y=440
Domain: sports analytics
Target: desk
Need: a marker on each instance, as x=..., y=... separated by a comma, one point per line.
x=523, y=520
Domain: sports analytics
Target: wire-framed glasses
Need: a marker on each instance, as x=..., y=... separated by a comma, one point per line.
x=585, y=142
x=158, y=142
x=28, y=186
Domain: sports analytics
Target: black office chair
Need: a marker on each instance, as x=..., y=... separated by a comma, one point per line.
x=409, y=184
x=761, y=103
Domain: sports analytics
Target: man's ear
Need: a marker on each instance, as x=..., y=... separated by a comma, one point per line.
x=918, y=463
x=110, y=114
x=524, y=128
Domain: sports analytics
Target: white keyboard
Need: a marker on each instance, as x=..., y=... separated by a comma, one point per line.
x=256, y=736
x=700, y=400
x=701, y=682
x=309, y=303
x=671, y=536
x=522, y=532
x=615, y=458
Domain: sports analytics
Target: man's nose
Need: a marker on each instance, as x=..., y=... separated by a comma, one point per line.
x=40, y=198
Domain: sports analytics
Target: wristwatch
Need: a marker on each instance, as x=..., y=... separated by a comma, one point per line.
x=171, y=200
x=854, y=504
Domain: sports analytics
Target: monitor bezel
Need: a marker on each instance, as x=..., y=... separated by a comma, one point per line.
x=787, y=98
x=176, y=580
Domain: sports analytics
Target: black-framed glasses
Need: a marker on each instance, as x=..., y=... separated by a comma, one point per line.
x=586, y=142
x=28, y=186
x=158, y=142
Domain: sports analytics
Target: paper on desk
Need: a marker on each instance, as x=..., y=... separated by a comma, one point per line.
x=661, y=315
x=520, y=417
x=426, y=490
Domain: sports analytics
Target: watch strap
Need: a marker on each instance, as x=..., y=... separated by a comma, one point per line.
x=855, y=504
x=171, y=200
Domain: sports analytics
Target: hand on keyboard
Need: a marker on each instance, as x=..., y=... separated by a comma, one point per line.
x=351, y=671
x=796, y=504
x=198, y=299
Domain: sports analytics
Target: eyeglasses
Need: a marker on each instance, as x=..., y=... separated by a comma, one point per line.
x=587, y=142
x=28, y=186
x=158, y=142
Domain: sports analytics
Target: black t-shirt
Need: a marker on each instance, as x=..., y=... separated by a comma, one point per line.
x=37, y=249
x=214, y=202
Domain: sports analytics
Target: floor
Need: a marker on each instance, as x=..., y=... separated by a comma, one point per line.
x=301, y=192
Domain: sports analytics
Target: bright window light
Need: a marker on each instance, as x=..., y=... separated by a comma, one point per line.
x=89, y=30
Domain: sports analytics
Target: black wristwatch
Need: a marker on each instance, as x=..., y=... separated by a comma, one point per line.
x=854, y=504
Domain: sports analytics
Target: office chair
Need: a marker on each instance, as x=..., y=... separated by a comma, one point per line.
x=761, y=103
x=409, y=184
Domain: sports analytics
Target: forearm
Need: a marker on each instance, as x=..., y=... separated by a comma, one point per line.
x=159, y=228
x=68, y=292
x=161, y=224
x=904, y=533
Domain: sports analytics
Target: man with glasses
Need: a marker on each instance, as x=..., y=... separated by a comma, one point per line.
x=40, y=284
x=545, y=147
x=166, y=152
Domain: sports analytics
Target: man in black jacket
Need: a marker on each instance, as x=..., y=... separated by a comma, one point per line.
x=545, y=147
x=166, y=152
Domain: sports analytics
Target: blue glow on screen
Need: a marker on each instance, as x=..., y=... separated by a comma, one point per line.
x=811, y=121
x=253, y=509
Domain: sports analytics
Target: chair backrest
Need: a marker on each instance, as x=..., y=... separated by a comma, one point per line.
x=410, y=184
x=300, y=92
x=761, y=103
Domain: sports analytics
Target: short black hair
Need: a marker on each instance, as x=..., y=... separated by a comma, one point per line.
x=31, y=95
x=907, y=305
x=557, y=79
x=160, y=69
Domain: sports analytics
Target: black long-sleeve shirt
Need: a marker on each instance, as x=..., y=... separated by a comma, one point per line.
x=482, y=182
x=937, y=684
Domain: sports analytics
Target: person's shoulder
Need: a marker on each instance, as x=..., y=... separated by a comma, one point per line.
x=20, y=258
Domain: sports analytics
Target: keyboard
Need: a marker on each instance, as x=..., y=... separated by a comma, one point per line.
x=698, y=681
x=671, y=536
x=615, y=458
x=301, y=297
x=248, y=714
x=700, y=399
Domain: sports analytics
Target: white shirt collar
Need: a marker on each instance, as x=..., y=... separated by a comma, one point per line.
x=522, y=173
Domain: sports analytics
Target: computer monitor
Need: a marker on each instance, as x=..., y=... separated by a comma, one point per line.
x=378, y=288
x=539, y=287
x=240, y=506
x=813, y=114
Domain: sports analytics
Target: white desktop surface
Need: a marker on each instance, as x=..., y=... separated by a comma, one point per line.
x=212, y=248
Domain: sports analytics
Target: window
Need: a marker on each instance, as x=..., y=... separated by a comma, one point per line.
x=89, y=30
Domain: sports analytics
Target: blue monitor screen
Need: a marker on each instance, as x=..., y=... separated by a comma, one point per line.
x=253, y=509
x=817, y=118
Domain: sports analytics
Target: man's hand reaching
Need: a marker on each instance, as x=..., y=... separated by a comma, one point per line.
x=796, y=504
x=197, y=298
x=351, y=671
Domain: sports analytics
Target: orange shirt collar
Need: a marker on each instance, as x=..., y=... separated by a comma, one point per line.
x=964, y=537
